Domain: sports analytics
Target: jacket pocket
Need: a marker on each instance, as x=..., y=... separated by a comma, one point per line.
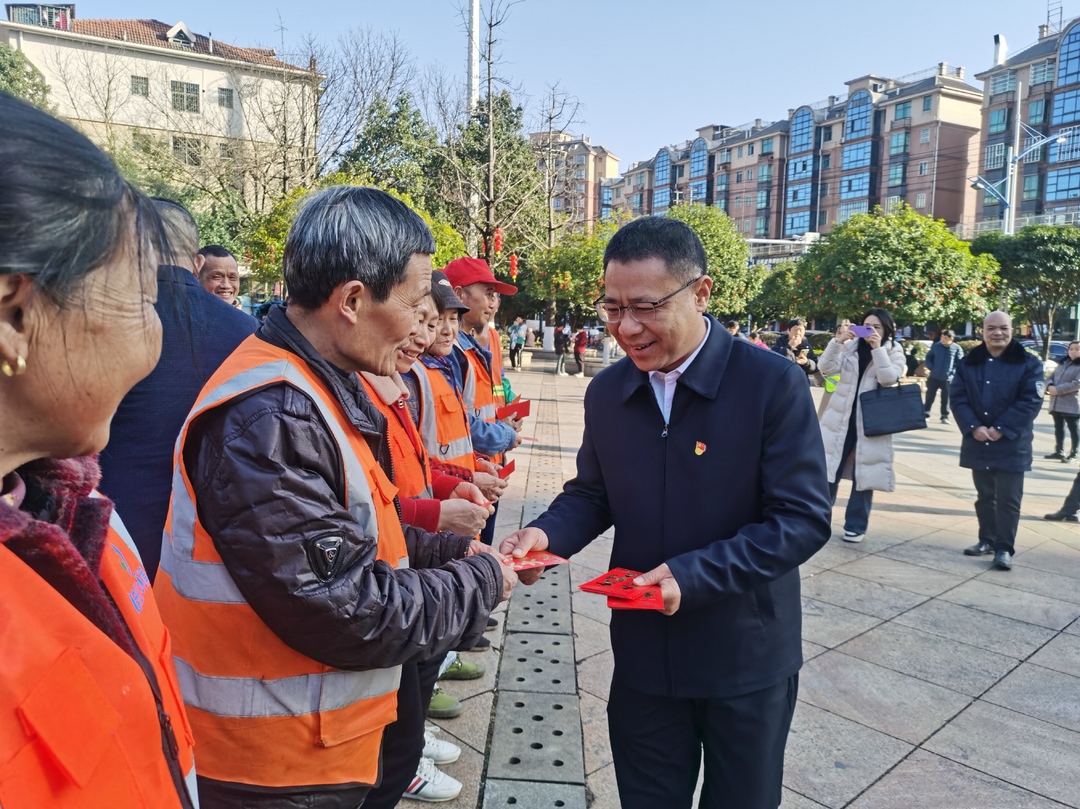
x=448, y=403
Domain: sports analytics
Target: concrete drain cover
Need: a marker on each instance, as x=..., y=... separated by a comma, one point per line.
x=544, y=606
x=532, y=795
x=537, y=737
x=542, y=664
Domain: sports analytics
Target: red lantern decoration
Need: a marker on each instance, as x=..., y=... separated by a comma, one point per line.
x=513, y=267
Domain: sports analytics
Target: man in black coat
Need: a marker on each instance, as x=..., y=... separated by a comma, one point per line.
x=794, y=345
x=996, y=394
x=705, y=454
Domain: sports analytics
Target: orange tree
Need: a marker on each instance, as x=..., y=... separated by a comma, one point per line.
x=570, y=275
x=906, y=263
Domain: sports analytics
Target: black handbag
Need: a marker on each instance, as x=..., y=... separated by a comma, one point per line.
x=892, y=410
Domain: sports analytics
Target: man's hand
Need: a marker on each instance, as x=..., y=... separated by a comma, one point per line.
x=509, y=577
x=994, y=433
x=669, y=588
x=463, y=517
x=484, y=465
x=801, y=359
x=469, y=491
x=491, y=486
x=981, y=433
x=476, y=546
x=514, y=422
x=520, y=543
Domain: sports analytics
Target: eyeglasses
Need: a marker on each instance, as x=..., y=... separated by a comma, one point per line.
x=641, y=311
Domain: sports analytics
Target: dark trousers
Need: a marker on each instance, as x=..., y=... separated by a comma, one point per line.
x=222, y=795
x=403, y=741
x=1061, y=420
x=657, y=744
x=487, y=534
x=857, y=513
x=932, y=387
x=515, y=356
x=579, y=358
x=998, y=506
x=1072, y=500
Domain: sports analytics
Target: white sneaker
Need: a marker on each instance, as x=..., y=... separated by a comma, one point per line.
x=439, y=750
x=431, y=784
x=851, y=536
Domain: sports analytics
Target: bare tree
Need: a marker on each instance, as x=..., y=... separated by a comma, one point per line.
x=560, y=112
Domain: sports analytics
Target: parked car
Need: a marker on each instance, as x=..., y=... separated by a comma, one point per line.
x=1059, y=349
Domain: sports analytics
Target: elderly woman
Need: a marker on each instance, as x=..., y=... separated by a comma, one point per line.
x=862, y=363
x=1064, y=392
x=89, y=699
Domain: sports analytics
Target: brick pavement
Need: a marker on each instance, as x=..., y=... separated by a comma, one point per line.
x=930, y=680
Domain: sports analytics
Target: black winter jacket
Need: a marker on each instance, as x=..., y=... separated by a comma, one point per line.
x=1004, y=392
x=269, y=481
x=785, y=349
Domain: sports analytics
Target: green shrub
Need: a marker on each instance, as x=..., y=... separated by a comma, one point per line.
x=967, y=345
x=916, y=349
x=819, y=341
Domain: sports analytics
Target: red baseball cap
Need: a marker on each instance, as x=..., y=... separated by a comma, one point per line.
x=469, y=270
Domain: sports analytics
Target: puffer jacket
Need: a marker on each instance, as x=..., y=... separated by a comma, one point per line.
x=1066, y=382
x=1005, y=393
x=873, y=455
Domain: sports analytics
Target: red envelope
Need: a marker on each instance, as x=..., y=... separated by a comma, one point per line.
x=537, y=559
x=506, y=470
x=517, y=409
x=651, y=600
x=617, y=583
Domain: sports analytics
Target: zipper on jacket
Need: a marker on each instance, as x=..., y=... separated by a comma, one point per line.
x=664, y=433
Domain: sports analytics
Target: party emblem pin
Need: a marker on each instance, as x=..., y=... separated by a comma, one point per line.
x=699, y=448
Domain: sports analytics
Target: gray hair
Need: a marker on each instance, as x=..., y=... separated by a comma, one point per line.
x=181, y=231
x=346, y=233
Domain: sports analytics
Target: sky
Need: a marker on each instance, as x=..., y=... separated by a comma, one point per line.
x=648, y=74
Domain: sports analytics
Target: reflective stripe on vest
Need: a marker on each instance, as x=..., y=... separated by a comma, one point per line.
x=444, y=440
x=262, y=712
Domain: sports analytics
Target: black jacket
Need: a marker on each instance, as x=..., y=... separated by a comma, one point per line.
x=1005, y=393
x=785, y=349
x=733, y=521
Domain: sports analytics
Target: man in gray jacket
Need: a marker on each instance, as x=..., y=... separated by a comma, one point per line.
x=941, y=362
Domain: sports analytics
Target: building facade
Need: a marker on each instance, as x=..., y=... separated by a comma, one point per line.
x=574, y=172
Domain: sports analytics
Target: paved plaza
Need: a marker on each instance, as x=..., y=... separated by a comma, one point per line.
x=930, y=680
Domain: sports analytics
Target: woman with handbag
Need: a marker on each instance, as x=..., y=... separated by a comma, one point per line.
x=863, y=364
x=1064, y=393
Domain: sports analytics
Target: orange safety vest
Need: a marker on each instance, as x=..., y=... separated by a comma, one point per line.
x=411, y=473
x=82, y=728
x=495, y=347
x=444, y=425
x=262, y=713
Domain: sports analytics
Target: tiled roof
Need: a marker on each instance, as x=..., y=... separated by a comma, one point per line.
x=154, y=33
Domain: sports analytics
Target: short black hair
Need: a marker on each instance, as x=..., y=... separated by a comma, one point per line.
x=796, y=321
x=346, y=233
x=948, y=333
x=888, y=325
x=215, y=251
x=669, y=240
x=731, y=324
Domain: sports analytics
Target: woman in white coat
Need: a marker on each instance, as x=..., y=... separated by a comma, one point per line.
x=863, y=363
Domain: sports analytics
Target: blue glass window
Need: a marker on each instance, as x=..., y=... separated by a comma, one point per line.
x=1066, y=107
x=722, y=204
x=858, y=115
x=800, y=169
x=802, y=132
x=662, y=172
x=766, y=146
x=795, y=224
x=698, y=159
x=798, y=195
x=764, y=173
x=1063, y=184
x=903, y=110
x=761, y=226
x=722, y=182
x=762, y=199
x=1069, y=57
x=1037, y=112
x=661, y=199
x=697, y=192
x=857, y=185
x=856, y=156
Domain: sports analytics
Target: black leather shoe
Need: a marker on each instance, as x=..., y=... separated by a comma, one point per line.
x=1055, y=456
x=981, y=549
x=1003, y=560
x=491, y=624
x=1061, y=516
x=482, y=645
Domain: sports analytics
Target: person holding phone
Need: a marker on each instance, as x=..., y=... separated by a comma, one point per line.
x=865, y=357
x=794, y=345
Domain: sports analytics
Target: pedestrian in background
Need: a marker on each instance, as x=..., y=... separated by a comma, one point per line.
x=581, y=341
x=1064, y=392
x=996, y=394
x=755, y=338
x=218, y=273
x=733, y=327
x=517, y=342
x=941, y=361
x=794, y=345
x=562, y=343
x=863, y=364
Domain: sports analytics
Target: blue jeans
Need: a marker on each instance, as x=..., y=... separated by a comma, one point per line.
x=857, y=515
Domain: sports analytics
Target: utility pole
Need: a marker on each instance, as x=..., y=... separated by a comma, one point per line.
x=1012, y=164
x=473, y=66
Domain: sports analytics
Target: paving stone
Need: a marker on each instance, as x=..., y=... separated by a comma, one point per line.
x=537, y=737
x=1027, y=752
x=595, y=556
x=1033, y=580
x=590, y=637
x=878, y=697
x=594, y=732
x=1061, y=654
x=940, y=551
x=1041, y=693
x=811, y=650
x=591, y=605
x=867, y=597
x=831, y=759
x=474, y=723
x=1028, y=607
x=793, y=800
x=939, y=782
x=949, y=663
x=808, y=571
x=542, y=664
x=543, y=606
x=594, y=674
x=836, y=552
x=829, y=625
x=994, y=633
x=531, y=795
x=603, y=789
x=903, y=575
x=469, y=770
x=1053, y=557
x=465, y=689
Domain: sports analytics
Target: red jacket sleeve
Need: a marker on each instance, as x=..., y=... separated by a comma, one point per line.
x=424, y=514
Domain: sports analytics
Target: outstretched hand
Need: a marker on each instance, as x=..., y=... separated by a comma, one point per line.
x=520, y=543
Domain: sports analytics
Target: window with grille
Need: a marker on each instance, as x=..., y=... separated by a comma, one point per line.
x=225, y=97
x=185, y=96
x=140, y=86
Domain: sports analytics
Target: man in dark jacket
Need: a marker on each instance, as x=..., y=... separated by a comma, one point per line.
x=198, y=331
x=794, y=345
x=718, y=668
x=941, y=361
x=996, y=394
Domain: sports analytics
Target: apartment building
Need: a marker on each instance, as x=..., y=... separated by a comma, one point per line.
x=574, y=171
x=748, y=171
x=1030, y=119
x=172, y=95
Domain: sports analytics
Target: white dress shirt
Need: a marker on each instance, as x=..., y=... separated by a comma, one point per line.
x=663, y=384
